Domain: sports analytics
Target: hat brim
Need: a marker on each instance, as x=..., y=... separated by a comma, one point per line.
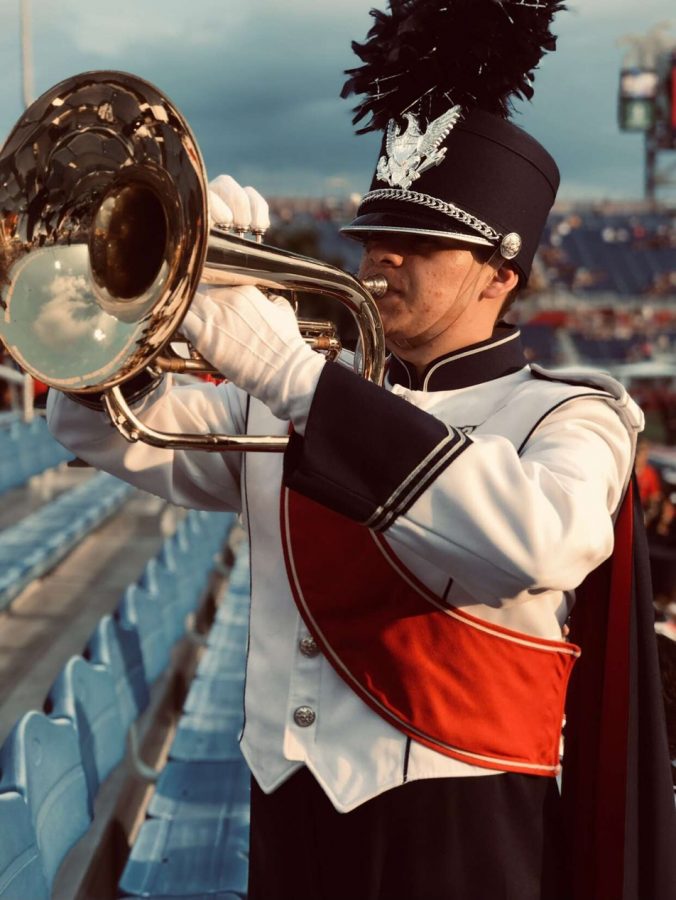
x=397, y=223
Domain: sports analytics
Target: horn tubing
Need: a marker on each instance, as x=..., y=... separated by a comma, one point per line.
x=103, y=231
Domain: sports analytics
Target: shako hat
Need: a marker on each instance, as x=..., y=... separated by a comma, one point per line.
x=439, y=79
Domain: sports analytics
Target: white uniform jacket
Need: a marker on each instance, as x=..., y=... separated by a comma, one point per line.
x=494, y=484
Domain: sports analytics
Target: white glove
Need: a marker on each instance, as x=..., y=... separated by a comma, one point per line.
x=233, y=206
x=256, y=344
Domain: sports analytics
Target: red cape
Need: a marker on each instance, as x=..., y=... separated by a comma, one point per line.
x=617, y=787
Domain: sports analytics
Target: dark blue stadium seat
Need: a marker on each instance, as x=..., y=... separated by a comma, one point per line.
x=21, y=875
x=40, y=759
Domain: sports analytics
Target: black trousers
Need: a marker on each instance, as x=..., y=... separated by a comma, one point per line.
x=496, y=837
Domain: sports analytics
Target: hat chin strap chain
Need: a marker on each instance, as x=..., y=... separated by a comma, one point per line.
x=509, y=244
x=448, y=209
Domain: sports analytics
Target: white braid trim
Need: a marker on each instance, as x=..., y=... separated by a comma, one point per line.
x=448, y=209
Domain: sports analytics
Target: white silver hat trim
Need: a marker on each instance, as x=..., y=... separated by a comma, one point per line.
x=448, y=209
x=427, y=232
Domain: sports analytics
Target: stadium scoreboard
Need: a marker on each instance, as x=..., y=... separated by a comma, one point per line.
x=647, y=100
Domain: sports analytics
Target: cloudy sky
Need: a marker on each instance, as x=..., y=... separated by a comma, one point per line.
x=258, y=81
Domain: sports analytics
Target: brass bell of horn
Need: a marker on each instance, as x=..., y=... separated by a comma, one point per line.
x=104, y=238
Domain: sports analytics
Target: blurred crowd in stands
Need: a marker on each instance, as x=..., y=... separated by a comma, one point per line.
x=656, y=479
x=601, y=249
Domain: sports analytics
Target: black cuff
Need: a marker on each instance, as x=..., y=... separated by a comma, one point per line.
x=367, y=454
x=134, y=390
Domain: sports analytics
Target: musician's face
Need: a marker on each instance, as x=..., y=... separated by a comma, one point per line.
x=432, y=303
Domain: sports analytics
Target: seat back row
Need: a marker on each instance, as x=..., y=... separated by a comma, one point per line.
x=35, y=544
x=52, y=765
x=27, y=449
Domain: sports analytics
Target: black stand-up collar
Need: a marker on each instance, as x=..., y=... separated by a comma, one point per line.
x=499, y=355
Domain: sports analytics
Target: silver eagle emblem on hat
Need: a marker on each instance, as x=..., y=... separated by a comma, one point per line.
x=411, y=152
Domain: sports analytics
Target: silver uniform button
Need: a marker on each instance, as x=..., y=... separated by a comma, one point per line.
x=308, y=646
x=304, y=716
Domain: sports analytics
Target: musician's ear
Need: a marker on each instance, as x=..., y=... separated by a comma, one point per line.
x=505, y=280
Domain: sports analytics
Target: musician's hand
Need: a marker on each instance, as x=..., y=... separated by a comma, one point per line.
x=255, y=343
x=233, y=206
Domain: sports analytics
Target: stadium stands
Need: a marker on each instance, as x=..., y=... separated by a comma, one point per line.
x=21, y=872
x=26, y=449
x=626, y=254
x=117, y=646
x=85, y=695
x=35, y=544
x=41, y=761
x=195, y=840
x=52, y=767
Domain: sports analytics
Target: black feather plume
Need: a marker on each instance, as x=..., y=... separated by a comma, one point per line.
x=438, y=53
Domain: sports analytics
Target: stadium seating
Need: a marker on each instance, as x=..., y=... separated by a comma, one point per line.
x=40, y=760
x=85, y=695
x=33, y=546
x=194, y=842
x=141, y=611
x=118, y=647
x=21, y=874
x=188, y=859
x=27, y=449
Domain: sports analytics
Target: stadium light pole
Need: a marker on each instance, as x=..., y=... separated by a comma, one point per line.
x=27, y=82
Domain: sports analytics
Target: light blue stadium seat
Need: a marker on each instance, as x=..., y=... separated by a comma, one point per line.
x=144, y=612
x=190, y=573
x=21, y=875
x=9, y=417
x=239, y=581
x=202, y=790
x=117, y=646
x=232, y=617
x=213, y=713
x=11, y=468
x=227, y=640
x=195, y=842
x=207, y=738
x=85, y=694
x=38, y=542
x=213, y=696
x=40, y=759
x=187, y=858
x=27, y=449
x=160, y=583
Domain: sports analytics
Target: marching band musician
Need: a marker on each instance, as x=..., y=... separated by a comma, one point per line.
x=416, y=550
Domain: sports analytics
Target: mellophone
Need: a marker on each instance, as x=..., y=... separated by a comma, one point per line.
x=105, y=237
